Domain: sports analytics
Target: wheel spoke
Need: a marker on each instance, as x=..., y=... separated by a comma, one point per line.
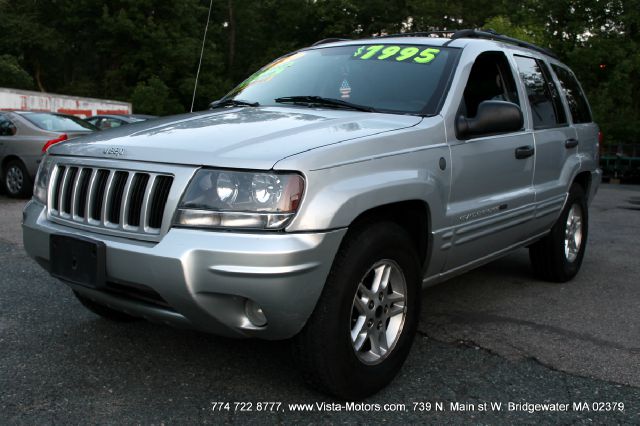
x=395, y=310
x=377, y=279
x=384, y=282
x=375, y=344
x=366, y=293
x=359, y=332
x=394, y=297
x=379, y=345
x=384, y=345
x=361, y=305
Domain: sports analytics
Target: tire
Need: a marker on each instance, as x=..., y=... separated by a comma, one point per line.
x=329, y=358
x=553, y=258
x=16, y=180
x=103, y=311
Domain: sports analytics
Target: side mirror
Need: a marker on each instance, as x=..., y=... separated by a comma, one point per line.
x=493, y=117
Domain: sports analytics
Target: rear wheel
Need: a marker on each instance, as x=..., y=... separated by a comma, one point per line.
x=363, y=326
x=16, y=180
x=104, y=311
x=558, y=256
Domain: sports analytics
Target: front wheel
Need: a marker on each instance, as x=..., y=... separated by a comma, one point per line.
x=16, y=180
x=558, y=256
x=363, y=326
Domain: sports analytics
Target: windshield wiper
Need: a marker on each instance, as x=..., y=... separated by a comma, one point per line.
x=319, y=100
x=232, y=102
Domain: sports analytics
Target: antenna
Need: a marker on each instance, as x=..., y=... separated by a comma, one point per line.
x=206, y=28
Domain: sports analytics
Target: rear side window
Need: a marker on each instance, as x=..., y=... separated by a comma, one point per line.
x=6, y=126
x=546, y=106
x=58, y=122
x=575, y=97
x=111, y=123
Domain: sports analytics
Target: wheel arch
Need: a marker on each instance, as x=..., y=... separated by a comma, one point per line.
x=414, y=216
x=584, y=180
x=6, y=160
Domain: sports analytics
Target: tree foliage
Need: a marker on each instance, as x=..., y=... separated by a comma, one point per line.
x=147, y=51
x=13, y=75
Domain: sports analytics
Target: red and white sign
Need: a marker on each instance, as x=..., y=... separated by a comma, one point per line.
x=24, y=100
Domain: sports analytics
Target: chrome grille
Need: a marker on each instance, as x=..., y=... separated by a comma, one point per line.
x=112, y=199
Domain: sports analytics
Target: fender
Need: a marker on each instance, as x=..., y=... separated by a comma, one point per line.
x=347, y=179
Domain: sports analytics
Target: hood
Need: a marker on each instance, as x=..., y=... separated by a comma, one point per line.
x=252, y=138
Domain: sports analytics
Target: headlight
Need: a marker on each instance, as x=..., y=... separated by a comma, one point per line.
x=250, y=200
x=41, y=184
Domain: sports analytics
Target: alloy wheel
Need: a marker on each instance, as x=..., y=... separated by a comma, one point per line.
x=573, y=233
x=378, y=312
x=14, y=179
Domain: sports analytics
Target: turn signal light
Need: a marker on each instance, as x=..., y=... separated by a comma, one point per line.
x=62, y=137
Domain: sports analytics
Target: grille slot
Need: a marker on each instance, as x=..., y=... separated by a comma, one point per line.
x=58, y=188
x=98, y=200
x=115, y=202
x=111, y=199
x=67, y=187
x=159, y=200
x=83, y=189
x=138, y=188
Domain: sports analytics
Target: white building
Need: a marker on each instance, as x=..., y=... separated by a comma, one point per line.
x=24, y=100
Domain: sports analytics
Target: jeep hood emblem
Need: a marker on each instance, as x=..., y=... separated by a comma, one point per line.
x=114, y=151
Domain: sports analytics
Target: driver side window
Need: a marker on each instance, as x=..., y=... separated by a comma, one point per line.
x=491, y=79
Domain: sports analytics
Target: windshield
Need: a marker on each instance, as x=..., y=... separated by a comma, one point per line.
x=58, y=122
x=387, y=77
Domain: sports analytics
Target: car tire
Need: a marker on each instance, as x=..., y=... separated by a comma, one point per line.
x=353, y=303
x=104, y=311
x=16, y=180
x=558, y=256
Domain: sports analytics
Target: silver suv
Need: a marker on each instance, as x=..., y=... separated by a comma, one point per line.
x=316, y=199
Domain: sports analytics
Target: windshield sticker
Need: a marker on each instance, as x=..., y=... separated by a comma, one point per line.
x=345, y=89
x=272, y=70
x=381, y=52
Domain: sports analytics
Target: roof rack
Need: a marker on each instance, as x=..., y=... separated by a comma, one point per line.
x=492, y=35
x=456, y=34
x=436, y=34
x=329, y=40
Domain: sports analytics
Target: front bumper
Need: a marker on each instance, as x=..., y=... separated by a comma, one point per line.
x=202, y=279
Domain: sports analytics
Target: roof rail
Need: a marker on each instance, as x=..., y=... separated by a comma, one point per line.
x=437, y=34
x=329, y=40
x=492, y=35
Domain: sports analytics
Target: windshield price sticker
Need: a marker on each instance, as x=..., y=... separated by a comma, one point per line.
x=382, y=52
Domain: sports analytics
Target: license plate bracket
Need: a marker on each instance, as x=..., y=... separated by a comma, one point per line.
x=78, y=260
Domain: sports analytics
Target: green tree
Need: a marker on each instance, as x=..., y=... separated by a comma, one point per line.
x=154, y=97
x=147, y=51
x=13, y=75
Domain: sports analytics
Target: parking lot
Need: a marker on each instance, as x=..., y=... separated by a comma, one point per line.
x=492, y=335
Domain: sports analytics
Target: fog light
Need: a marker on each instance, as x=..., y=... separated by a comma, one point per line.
x=254, y=312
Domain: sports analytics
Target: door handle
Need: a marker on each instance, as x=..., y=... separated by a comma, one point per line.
x=571, y=143
x=524, y=152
